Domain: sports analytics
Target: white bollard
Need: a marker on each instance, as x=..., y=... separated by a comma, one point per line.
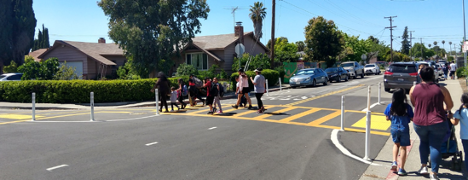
x=342, y=112
x=157, y=99
x=281, y=87
x=91, y=104
x=33, y=106
x=368, y=126
x=379, y=91
x=414, y=83
x=267, y=87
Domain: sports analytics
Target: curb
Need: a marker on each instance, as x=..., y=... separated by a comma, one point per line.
x=129, y=104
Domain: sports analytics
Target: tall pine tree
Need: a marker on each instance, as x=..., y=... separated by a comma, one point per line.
x=42, y=40
x=405, y=45
x=17, y=30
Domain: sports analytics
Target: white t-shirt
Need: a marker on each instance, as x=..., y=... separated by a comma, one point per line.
x=244, y=81
x=174, y=96
x=453, y=67
x=463, y=117
x=238, y=86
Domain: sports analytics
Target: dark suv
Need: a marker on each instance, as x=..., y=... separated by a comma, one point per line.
x=401, y=75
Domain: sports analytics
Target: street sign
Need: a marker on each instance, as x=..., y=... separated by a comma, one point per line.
x=240, y=49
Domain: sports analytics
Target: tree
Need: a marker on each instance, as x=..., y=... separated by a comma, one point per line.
x=443, y=43
x=435, y=43
x=45, y=70
x=186, y=70
x=258, y=61
x=416, y=50
x=429, y=45
x=66, y=72
x=300, y=46
x=42, y=40
x=12, y=68
x=257, y=14
x=151, y=31
x=323, y=40
x=405, y=44
x=285, y=51
x=359, y=47
x=269, y=42
x=17, y=30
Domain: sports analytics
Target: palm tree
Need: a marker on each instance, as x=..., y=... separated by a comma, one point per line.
x=435, y=43
x=429, y=45
x=450, y=43
x=443, y=43
x=257, y=14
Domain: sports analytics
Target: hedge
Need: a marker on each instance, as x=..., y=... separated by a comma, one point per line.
x=460, y=72
x=77, y=91
x=269, y=74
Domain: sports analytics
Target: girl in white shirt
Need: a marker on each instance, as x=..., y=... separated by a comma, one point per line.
x=244, y=82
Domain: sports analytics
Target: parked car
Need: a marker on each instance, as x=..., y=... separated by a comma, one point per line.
x=440, y=70
x=337, y=74
x=11, y=77
x=354, y=69
x=436, y=73
x=372, y=69
x=309, y=77
x=401, y=75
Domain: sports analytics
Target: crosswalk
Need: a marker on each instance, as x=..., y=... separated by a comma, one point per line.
x=298, y=115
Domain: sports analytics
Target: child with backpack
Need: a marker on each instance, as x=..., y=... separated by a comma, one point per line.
x=174, y=99
x=400, y=113
x=461, y=115
x=182, y=92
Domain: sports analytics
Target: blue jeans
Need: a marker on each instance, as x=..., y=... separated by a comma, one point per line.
x=431, y=138
x=465, y=149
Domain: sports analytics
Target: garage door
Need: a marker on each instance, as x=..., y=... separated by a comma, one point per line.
x=78, y=68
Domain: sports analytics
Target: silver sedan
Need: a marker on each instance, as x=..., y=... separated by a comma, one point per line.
x=308, y=77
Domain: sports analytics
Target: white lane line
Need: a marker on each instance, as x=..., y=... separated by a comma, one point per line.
x=372, y=106
x=334, y=138
x=212, y=128
x=150, y=144
x=56, y=167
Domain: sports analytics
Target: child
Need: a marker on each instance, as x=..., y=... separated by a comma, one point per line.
x=217, y=98
x=243, y=100
x=400, y=113
x=174, y=99
x=461, y=115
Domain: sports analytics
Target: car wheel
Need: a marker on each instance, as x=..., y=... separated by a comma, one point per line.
x=387, y=89
x=362, y=75
x=339, y=79
x=325, y=82
x=314, y=83
x=347, y=78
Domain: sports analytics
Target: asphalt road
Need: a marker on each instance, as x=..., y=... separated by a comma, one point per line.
x=291, y=141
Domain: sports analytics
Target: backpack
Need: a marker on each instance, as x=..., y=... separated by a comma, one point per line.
x=198, y=82
x=184, y=90
x=221, y=89
x=214, y=90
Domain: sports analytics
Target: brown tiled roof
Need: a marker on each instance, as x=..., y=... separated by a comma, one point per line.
x=216, y=41
x=35, y=54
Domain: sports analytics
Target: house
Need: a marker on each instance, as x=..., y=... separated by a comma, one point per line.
x=91, y=60
x=35, y=54
x=205, y=51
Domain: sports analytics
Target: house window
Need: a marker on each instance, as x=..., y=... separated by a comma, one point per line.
x=197, y=60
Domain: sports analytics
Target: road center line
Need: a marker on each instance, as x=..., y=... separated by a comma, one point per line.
x=150, y=144
x=56, y=167
x=334, y=138
x=212, y=128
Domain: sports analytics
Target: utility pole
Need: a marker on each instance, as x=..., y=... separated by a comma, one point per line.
x=464, y=36
x=422, y=55
x=272, y=49
x=391, y=35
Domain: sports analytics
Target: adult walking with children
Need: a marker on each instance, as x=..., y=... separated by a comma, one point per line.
x=430, y=119
x=162, y=85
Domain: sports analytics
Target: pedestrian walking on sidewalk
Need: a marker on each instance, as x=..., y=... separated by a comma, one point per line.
x=259, y=85
x=238, y=90
x=445, y=69
x=244, y=82
x=182, y=92
x=194, y=91
x=462, y=116
x=430, y=119
x=174, y=99
x=209, y=94
x=217, y=96
x=162, y=85
x=453, y=69
x=400, y=113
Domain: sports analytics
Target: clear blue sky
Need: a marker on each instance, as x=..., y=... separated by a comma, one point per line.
x=432, y=20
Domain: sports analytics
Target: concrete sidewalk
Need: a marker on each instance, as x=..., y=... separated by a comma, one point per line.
x=53, y=106
x=413, y=161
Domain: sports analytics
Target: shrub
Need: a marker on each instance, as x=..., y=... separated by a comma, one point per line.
x=77, y=91
x=269, y=74
x=461, y=72
x=12, y=68
x=66, y=72
x=185, y=70
x=44, y=70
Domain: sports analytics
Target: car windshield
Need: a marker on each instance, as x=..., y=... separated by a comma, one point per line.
x=330, y=70
x=347, y=65
x=370, y=65
x=402, y=68
x=305, y=72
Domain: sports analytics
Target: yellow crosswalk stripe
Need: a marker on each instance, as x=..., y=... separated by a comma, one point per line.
x=297, y=116
x=377, y=122
x=267, y=115
x=325, y=118
x=324, y=95
x=244, y=113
